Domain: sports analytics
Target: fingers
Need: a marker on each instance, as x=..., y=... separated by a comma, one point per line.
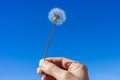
x=43, y=75
x=79, y=69
x=62, y=69
x=61, y=62
x=51, y=69
x=76, y=66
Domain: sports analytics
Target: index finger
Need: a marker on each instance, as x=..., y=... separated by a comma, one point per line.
x=60, y=62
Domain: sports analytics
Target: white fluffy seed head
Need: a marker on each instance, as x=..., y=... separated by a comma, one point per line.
x=60, y=13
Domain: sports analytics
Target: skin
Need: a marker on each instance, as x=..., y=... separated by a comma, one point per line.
x=62, y=69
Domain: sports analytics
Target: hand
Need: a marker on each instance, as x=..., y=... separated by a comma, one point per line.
x=62, y=69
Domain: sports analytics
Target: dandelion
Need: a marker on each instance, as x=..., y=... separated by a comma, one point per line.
x=58, y=17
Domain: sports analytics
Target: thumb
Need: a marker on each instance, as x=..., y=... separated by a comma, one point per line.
x=51, y=69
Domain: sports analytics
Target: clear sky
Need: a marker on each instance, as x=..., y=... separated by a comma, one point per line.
x=90, y=35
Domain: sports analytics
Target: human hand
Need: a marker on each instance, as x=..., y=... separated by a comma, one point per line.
x=62, y=69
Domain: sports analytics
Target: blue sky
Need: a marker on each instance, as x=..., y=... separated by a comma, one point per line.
x=90, y=35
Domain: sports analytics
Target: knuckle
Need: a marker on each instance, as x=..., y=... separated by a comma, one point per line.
x=74, y=66
x=83, y=67
x=77, y=64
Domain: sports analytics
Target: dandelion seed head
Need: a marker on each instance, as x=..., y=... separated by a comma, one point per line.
x=57, y=16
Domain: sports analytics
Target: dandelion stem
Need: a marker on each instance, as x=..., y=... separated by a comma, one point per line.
x=49, y=40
